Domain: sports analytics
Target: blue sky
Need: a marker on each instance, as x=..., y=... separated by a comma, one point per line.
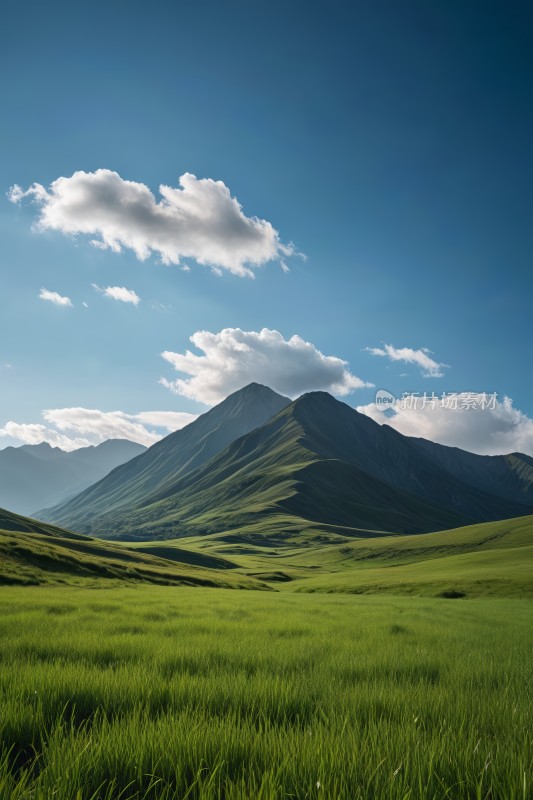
x=389, y=142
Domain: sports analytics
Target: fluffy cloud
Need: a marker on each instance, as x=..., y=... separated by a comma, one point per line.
x=472, y=421
x=430, y=368
x=199, y=219
x=90, y=426
x=233, y=358
x=119, y=293
x=55, y=298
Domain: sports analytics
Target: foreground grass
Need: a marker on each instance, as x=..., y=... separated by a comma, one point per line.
x=155, y=692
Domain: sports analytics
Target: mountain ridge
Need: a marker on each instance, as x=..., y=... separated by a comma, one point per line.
x=315, y=458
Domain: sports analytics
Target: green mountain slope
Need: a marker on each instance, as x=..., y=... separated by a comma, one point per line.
x=33, y=553
x=316, y=460
x=165, y=462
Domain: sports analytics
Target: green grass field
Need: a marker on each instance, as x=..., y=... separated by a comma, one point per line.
x=177, y=692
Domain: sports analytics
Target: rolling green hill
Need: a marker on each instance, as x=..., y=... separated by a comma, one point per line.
x=491, y=558
x=494, y=558
x=34, y=553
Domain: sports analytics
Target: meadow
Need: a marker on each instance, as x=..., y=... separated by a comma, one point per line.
x=179, y=692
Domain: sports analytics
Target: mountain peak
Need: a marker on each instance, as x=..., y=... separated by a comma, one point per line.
x=110, y=444
x=254, y=388
x=251, y=396
x=319, y=401
x=317, y=395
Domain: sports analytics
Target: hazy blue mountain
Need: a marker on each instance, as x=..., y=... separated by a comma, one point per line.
x=315, y=459
x=38, y=475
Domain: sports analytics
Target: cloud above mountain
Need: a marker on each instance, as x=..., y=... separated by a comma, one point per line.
x=470, y=420
x=422, y=358
x=198, y=219
x=233, y=358
x=71, y=428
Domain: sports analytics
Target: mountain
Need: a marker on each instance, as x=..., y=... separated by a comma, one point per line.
x=34, y=553
x=38, y=475
x=315, y=460
x=173, y=457
x=509, y=476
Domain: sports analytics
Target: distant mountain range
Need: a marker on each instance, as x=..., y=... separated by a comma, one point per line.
x=258, y=459
x=37, y=475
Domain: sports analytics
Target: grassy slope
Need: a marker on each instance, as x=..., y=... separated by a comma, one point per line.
x=33, y=553
x=490, y=558
x=483, y=559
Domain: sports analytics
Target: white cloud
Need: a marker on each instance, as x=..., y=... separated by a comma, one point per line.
x=430, y=368
x=233, y=358
x=472, y=421
x=91, y=426
x=55, y=298
x=199, y=219
x=119, y=293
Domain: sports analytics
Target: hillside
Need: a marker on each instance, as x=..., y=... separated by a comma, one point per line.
x=491, y=558
x=34, y=553
x=316, y=460
x=37, y=475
